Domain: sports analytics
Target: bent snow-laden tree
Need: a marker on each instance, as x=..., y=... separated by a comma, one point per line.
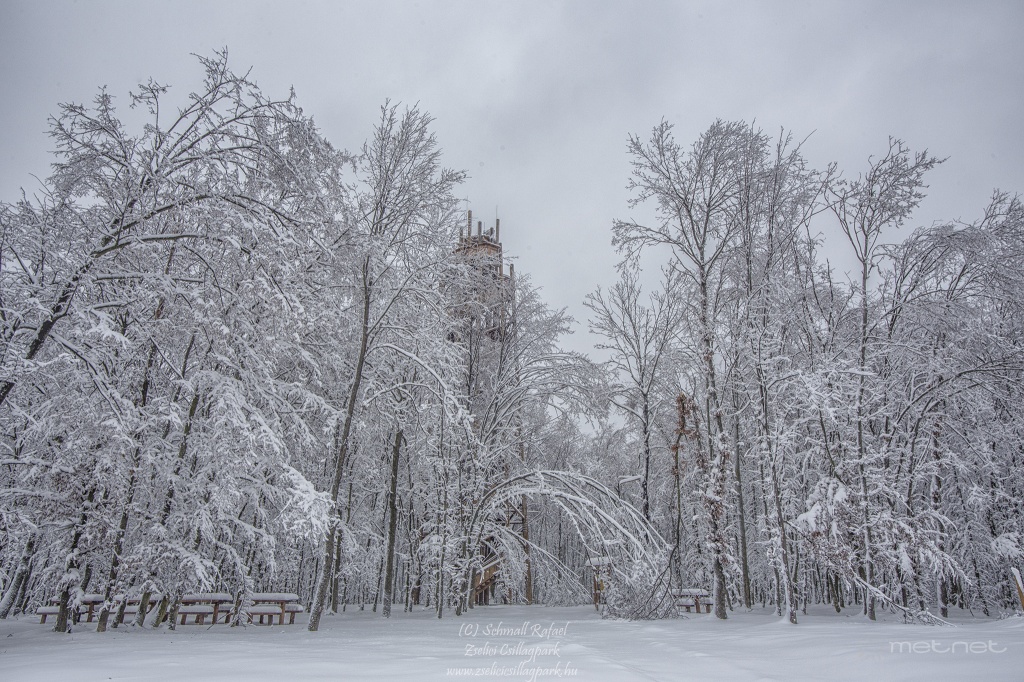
x=611, y=530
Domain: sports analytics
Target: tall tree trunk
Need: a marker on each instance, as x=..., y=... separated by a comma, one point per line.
x=20, y=575
x=526, y=544
x=684, y=408
x=869, y=567
x=442, y=521
x=780, y=529
x=336, y=586
x=718, y=457
x=389, y=567
x=165, y=512
x=115, y=559
x=941, y=586
x=741, y=512
x=140, y=615
x=172, y=617
x=323, y=581
x=71, y=576
x=122, y=526
x=161, y=611
x=645, y=482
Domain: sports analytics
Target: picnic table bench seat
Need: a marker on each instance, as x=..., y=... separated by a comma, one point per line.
x=199, y=611
x=263, y=611
x=291, y=610
x=45, y=611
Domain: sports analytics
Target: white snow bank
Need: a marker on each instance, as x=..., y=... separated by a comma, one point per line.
x=513, y=643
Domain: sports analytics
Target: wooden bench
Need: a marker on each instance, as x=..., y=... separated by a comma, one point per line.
x=292, y=609
x=44, y=611
x=692, y=598
x=205, y=604
x=87, y=606
x=270, y=604
x=199, y=611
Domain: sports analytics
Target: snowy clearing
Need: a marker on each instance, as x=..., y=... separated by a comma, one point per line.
x=498, y=642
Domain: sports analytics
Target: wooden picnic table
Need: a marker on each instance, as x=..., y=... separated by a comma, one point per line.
x=270, y=604
x=265, y=606
x=86, y=607
x=692, y=597
x=203, y=604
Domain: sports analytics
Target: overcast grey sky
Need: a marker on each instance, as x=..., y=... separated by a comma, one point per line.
x=536, y=99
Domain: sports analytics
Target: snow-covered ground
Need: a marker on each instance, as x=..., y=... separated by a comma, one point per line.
x=522, y=643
